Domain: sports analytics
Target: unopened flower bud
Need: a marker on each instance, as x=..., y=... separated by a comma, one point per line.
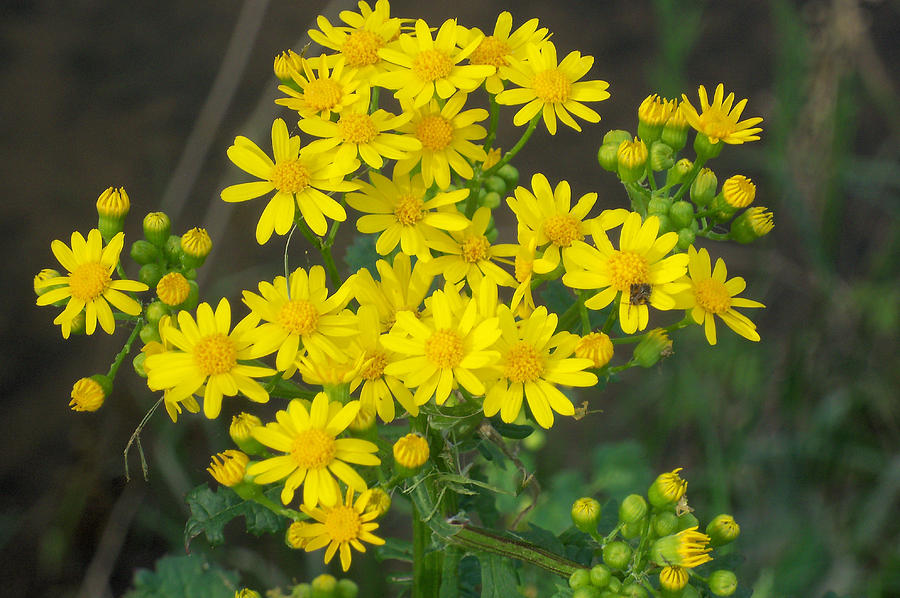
x=155, y=311
x=241, y=432
x=586, y=514
x=653, y=113
x=195, y=245
x=286, y=63
x=88, y=394
x=664, y=523
x=346, y=588
x=411, y=452
x=228, y=467
x=677, y=173
x=632, y=509
x=324, y=586
x=703, y=189
x=295, y=537
x=580, y=578
x=681, y=214
x=667, y=489
x=112, y=207
x=595, y=346
x=247, y=593
x=675, y=130
x=654, y=346
x=150, y=274
x=705, y=148
x=173, y=289
x=607, y=157
x=673, y=578
x=157, y=228
x=662, y=156
x=365, y=418
x=633, y=590
x=686, y=238
x=723, y=582
x=687, y=521
x=632, y=160
x=659, y=205
x=722, y=530
x=616, y=555
x=40, y=287
x=752, y=224
x=616, y=137
x=379, y=502
x=688, y=548
x=510, y=174
x=144, y=252
x=738, y=191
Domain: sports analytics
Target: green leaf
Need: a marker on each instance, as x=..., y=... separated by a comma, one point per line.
x=212, y=510
x=498, y=577
x=190, y=576
x=394, y=548
x=361, y=253
x=453, y=478
x=513, y=431
x=492, y=452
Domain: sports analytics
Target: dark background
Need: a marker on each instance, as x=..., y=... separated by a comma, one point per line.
x=797, y=435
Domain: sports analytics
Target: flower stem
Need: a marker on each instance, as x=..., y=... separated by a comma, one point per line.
x=126, y=349
x=324, y=248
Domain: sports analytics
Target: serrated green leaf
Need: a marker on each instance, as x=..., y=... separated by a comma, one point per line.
x=190, y=576
x=498, y=576
x=394, y=548
x=212, y=510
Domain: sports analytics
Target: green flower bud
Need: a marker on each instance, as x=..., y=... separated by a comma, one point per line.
x=510, y=174
x=241, y=432
x=662, y=156
x=155, y=311
x=616, y=555
x=703, y=189
x=722, y=530
x=705, y=148
x=112, y=207
x=411, y=452
x=616, y=137
x=600, y=576
x=78, y=323
x=586, y=514
x=632, y=509
x=193, y=298
x=665, y=224
x=681, y=214
x=687, y=521
x=195, y=246
x=144, y=252
x=607, y=157
x=688, y=548
x=347, y=588
x=667, y=489
x=677, y=173
x=615, y=584
x=172, y=250
x=149, y=274
x=664, y=523
x=40, y=277
x=632, y=159
x=632, y=530
x=138, y=364
x=675, y=130
x=247, y=593
x=286, y=63
x=686, y=238
x=723, y=582
x=157, y=228
x=324, y=586
x=301, y=590
x=752, y=224
x=633, y=590
x=654, y=346
x=491, y=235
x=496, y=184
x=587, y=592
x=722, y=212
x=580, y=578
x=491, y=200
x=150, y=333
x=659, y=205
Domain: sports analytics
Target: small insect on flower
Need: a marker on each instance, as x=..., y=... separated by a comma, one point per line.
x=640, y=293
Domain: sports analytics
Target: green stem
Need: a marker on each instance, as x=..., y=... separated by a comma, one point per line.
x=492, y=130
x=714, y=236
x=126, y=349
x=585, y=316
x=323, y=248
x=611, y=318
x=426, y=573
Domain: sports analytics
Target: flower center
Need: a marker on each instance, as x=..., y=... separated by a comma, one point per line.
x=491, y=51
x=357, y=128
x=291, y=176
x=627, y=268
x=361, y=48
x=562, y=229
x=716, y=125
x=375, y=369
x=523, y=363
x=88, y=281
x=432, y=64
x=475, y=249
x=313, y=449
x=435, y=132
x=342, y=524
x=298, y=316
x=409, y=210
x=712, y=296
x=552, y=86
x=322, y=94
x=444, y=349
x=215, y=354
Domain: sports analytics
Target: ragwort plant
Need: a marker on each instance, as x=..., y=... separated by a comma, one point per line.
x=408, y=379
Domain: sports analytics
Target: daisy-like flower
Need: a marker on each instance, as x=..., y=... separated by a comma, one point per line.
x=497, y=48
x=468, y=254
x=548, y=214
x=173, y=408
x=297, y=311
x=313, y=453
x=446, y=136
x=426, y=67
x=402, y=287
x=331, y=91
x=443, y=351
x=207, y=352
x=533, y=361
x=368, y=31
x=711, y=294
x=339, y=527
x=359, y=133
x=378, y=389
x=298, y=178
x=399, y=211
x=89, y=287
x=551, y=88
x=719, y=120
x=638, y=271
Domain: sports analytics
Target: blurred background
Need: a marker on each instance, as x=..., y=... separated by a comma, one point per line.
x=797, y=435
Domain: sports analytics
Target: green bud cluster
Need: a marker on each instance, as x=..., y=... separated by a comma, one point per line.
x=323, y=586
